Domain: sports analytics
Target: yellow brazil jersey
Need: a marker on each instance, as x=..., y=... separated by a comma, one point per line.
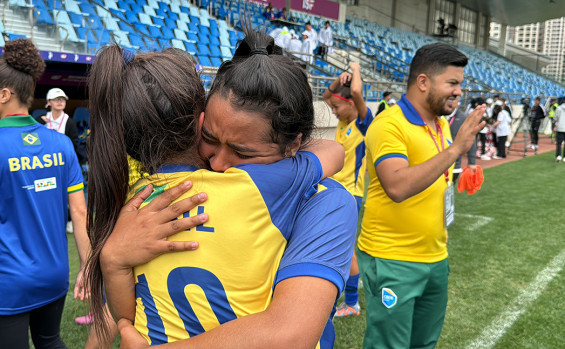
x=351, y=136
x=412, y=230
x=242, y=248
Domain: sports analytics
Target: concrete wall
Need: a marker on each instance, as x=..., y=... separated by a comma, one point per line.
x=375, y=11
x=411, y=15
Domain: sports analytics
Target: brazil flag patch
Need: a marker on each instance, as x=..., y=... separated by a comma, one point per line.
x=31, y=139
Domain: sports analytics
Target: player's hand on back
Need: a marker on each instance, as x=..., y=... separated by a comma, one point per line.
x=140, y=235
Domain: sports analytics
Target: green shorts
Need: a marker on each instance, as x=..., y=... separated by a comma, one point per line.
x=406, y=302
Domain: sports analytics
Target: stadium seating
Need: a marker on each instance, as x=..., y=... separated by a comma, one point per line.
x=147, y=25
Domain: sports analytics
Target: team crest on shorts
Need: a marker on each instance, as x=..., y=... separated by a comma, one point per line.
x=389, y=298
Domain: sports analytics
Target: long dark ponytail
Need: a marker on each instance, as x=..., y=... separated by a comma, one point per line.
x=144, y=105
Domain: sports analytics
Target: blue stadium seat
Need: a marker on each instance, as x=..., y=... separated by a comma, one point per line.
x=137, y=41
x=104, y=37
x=176, y=43
x=77, y=19
x=161, y=13
x=55, y=4
x=181, y=26
x=151, y=45
x=171, y=24
x=124, y=5
x=145, y=19
x=204, y=61
x=131, y=17
x=192, y=37
x=148, y=10
x=142, y=28
x=214, y=40
x=167, y=33
x=191, y=48
x=154, y=32
x=215, y=51
x=83, y=33
x=203, y=38
x=158, y=21
x=126, y=27
x=203, y=49
x=44, y=17
x=164, y=44
x=193, y=27
x=216, y=62
x=180, y=35
x=226, y=52
x=163, y=6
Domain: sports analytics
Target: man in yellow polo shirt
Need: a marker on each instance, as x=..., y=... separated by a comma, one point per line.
x=402, y=247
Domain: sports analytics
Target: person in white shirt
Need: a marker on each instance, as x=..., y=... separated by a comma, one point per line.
x=502, y=125
x=312, y=35
x=294, y=44
x=559, y=119
x=281, y=36
x=326, y=40
x=58, y=120
x=307, y=48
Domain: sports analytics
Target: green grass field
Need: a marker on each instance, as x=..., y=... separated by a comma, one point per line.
x=507, y=250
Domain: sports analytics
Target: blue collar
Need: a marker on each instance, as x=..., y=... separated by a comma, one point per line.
x=409, y=111
x=172, y=168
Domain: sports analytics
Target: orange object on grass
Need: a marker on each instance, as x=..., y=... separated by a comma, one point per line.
x=471, y=181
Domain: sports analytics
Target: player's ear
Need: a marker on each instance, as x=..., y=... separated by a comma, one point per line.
x=293, y=148
x=423, y=82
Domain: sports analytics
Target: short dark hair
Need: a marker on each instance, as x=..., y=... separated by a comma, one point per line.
x=432, y=60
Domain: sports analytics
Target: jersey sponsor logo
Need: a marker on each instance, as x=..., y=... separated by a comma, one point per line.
x=348, y=131
x=30, y=139
x=389, y=298
x=45, y=184
x=26, y=163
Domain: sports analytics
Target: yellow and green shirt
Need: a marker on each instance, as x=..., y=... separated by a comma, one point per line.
x=412, y=230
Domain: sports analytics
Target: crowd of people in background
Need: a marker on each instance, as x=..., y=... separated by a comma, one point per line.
x=304, y=45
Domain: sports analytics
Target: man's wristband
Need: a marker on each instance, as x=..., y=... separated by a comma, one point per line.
x=330, y=89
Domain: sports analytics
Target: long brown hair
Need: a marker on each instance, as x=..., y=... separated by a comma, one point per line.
x=144, y=105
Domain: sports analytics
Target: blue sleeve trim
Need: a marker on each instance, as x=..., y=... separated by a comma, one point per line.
x=389, y=156
x=314, y=270
x=363, y=126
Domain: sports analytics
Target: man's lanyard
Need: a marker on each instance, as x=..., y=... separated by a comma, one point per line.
x=440, y=132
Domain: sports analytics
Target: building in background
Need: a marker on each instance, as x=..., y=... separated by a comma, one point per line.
x=547, y=38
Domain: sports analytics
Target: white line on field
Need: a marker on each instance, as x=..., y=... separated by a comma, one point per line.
x=529, y=294
x=479, y=221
